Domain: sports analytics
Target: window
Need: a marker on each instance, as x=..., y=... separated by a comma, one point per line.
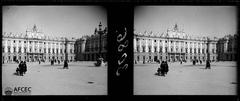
x=160, y=49
x=14, y=49
x=3, y=49
x=190, y=50
x=9, y=49
x=143, y=47
x=203, y=51
x=25, y=50
x=19, y=50
x=186, y=50
x=137, y=48
x=155, y=49
x=13, y=41
x=149, y=49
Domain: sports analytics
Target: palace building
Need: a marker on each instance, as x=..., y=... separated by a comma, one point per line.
x=88, y=47
x=172, y=45
x=227, y=48
x=34, y=46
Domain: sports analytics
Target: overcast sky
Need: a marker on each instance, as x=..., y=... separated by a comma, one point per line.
x=195, y=20
x=66, y=21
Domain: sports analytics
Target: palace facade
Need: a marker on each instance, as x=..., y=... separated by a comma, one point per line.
x=88, y=47
x=227, y=48
x=34, y=46
x=172, y=45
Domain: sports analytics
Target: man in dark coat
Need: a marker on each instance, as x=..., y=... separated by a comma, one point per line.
x=65, y=64
x=166, y=68
x=208, y=65
x=162, y=68
x=24, y=67
x=19, y=69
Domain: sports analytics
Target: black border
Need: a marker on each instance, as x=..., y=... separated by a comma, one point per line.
x=126, y=91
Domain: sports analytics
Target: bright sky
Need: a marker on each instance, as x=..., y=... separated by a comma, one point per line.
x=196, y=21
x=65, y=21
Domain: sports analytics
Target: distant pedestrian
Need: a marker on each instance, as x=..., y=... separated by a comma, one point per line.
x=162, y=68
x=65, y=66
x=194, y=62
x=24, y=67
x=19, y=70
x=39, y=62
x=208, y=65
x=58, y=61
x=166, y=68
x=200, y=61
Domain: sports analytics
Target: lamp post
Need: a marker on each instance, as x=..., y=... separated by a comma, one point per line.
x=208, y=54
x=66, y=54
x=100, y=32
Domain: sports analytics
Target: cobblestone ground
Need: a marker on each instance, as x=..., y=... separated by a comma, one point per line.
x=186, y=79
x=82, y=78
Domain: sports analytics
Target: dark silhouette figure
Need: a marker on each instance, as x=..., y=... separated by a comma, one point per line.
x=58, y=61
x=166, y=68
x=65, y=66
x=194, y=62
x=162, y=68
x=19, y=70
x=24, y=67
x=208, y=65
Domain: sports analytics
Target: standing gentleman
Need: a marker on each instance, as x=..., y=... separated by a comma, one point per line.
x=208, y=65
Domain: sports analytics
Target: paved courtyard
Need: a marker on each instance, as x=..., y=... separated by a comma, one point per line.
x=186, y=79
x=82, y=78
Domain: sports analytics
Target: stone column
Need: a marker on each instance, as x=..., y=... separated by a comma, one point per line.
x=174, y=46
x=11, y=46
x=152, y=48
x=28, y=46
x=17, y=46
x=163, y=46
x=146, y=48
x=158, y=47
x=6, y=46
x=201, y=47
x=140, y=45
x=22, y=46
x=134, y=44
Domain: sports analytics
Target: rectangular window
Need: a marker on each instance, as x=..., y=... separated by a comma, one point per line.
x=14, y=49
x=19, y=50
x=9, y=49
x=138, y=49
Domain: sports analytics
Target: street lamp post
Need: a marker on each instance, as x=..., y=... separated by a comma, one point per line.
x=66, y=54
x=208, y=54
x=100, y=32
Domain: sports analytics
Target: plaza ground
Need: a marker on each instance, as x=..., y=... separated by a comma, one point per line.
x=186, y=79
x=82, y=78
